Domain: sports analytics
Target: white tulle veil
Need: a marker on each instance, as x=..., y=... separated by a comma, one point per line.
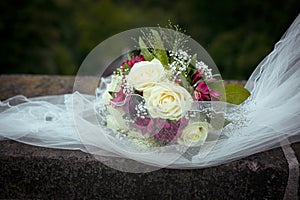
x=270, y=115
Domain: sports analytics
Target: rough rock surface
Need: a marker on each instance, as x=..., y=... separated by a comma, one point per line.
x=42, y=173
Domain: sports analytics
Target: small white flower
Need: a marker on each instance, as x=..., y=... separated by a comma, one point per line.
x=204, y=69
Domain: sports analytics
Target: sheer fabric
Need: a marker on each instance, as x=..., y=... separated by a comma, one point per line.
x=270, y=115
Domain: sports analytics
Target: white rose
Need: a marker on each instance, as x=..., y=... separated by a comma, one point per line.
x=115, y=84
x=194, y=134
x=167, y=101
x=145, y=74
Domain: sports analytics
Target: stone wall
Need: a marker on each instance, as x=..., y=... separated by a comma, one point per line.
x=42, y=173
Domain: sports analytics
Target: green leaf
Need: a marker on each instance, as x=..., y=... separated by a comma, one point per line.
x=157, y=39
x=236, y=94
x=161, y=55
x=186, y=84
x=159, y=49
x=144, y=50
x=191, y=69
x=193, y=60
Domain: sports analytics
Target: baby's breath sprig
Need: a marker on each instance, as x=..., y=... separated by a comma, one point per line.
x=206, y=71
x=141, y=110
x=127, y=88
x=176, y=39
x=180, y=63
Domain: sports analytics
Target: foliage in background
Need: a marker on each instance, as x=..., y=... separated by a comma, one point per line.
x=54, y=36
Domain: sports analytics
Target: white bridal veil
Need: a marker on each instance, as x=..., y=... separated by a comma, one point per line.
x=270, y=115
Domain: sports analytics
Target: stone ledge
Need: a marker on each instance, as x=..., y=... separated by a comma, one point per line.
x=39, y=85
x=33, y=86
x=35, y=172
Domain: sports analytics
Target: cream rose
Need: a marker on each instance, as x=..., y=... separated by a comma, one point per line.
x=145, y=74
x=115, y=84
x=167, y=101
x=194, y=134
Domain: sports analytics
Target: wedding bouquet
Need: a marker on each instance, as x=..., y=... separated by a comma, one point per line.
x=161, y=102
x=157, y=96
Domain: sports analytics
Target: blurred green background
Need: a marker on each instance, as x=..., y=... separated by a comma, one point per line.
x=54, y=36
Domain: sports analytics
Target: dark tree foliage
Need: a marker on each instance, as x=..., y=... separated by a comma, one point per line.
x=54, y=36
